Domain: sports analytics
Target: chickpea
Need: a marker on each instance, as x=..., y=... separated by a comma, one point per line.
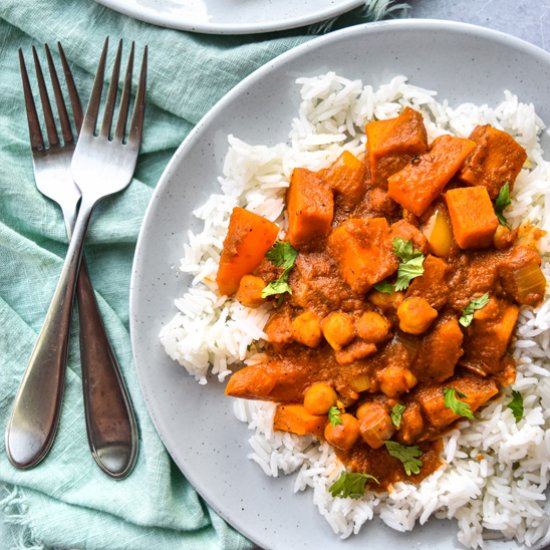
x=343, y=436
x=375, y=425
x=373, y=327
x=250, y=289
x=338, y=329
x=503, y=237
x=395, y=380
x=319, y=398
x=415, y=315
x=306, y=329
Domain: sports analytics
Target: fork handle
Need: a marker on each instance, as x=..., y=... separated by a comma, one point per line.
x=35, y=414
x=110, y=420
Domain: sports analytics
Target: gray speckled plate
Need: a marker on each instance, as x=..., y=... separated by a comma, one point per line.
x=462, y=62
x=232, y=16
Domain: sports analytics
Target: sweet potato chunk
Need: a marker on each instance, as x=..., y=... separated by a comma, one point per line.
x=419, y=183
x=310, y=206
x=472, y=216
x=297, y=420
x=487, y=339
x=392, y=143
x=346, y=176
x=375, y=424
x=497, y=159
x=250, y=291
x=248, y=238
x=440, y=351
x=274, y=381
x=363, y=251
x=432, y=285
x=412, y=424
x=476, y=389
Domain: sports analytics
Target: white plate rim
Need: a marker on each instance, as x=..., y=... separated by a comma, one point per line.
x=163, y=20
x=414, y=24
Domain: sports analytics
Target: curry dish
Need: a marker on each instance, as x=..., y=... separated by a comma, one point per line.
x=395, y=294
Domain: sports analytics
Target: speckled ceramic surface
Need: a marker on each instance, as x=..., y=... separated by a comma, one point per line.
x=462, y=62
x=232, y=16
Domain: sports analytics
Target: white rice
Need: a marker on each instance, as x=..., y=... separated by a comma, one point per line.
x=496, y=470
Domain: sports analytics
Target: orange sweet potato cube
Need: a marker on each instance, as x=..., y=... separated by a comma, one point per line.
x=363, y=251
x=346, y=176
x=472, y=216
x=496, y=160
x=297, y=420
x=248, y=238
x=391, y=143
x=310, y=206
x=417, y=185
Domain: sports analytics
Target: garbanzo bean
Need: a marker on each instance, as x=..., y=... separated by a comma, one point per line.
x=415, y=315
x=306, y=329
x=319, y=398
x=373, y=327
x=395, y=380
x=338, y=329
x=343, y=436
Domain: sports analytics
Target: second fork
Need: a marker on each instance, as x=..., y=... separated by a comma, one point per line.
x=110, y=421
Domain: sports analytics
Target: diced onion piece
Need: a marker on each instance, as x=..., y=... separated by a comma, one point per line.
x=439, y=234
x=529, y=280
x=362, y=383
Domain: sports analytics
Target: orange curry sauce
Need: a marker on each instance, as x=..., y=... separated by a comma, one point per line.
x=337, y=344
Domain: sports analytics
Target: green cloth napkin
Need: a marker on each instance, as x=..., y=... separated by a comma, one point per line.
x=67, y=501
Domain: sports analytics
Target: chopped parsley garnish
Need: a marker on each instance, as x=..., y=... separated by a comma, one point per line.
x=458, y=407
x=334, y=416
x=284, y=255
x=516, y=405
x=350, y=485
x=410, y=265
x=397, y=414
x=384, y=286
x=502, y=201
x=471, y=308
x=409, y=455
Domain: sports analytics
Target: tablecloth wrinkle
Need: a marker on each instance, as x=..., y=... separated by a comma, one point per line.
x=66, y=501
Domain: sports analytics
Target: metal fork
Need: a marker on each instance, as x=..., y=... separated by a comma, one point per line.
x=109, y=417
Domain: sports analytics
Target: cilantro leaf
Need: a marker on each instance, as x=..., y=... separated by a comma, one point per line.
x=516, y=405
x=408, y=455
x=351, y=485
x=397, y=414
x=471, y=308
x=284, y=255
x=334, y=416
x=384, y=286
x=502, y=201
x=458, y=407
x=410, y=265
x=278, y=286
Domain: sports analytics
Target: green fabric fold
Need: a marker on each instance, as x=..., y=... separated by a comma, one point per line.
x=66, y=501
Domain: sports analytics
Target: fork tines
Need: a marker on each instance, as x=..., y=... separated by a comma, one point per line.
x=36, y=138
x=136, y=124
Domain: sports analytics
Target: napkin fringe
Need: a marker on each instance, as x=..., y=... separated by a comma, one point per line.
x=14, y=510
x=372, y=10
